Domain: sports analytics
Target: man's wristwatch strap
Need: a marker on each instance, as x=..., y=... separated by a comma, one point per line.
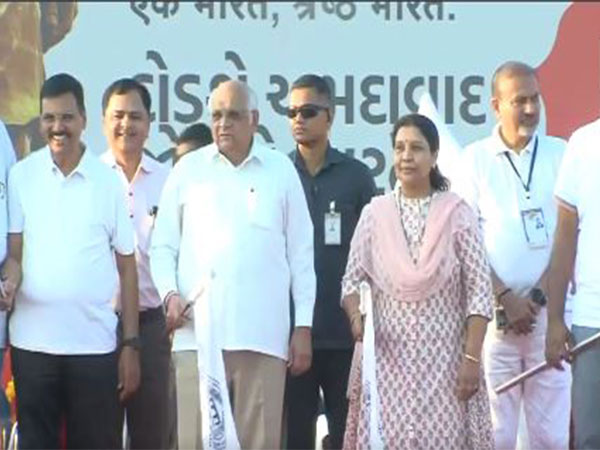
x=133, y=342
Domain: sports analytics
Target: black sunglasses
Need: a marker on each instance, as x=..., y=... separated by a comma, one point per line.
x=306, y=111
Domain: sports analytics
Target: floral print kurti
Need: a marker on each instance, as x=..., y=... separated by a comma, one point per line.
x=419, y=347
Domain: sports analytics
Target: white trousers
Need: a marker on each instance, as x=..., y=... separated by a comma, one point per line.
x=546, y=397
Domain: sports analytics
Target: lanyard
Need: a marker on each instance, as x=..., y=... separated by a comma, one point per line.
x=527, y=186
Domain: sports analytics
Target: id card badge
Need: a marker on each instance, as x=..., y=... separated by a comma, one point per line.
x=333, y=226
x=534, y=226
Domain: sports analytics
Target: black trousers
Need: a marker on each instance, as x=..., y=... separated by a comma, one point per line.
x=80, y=388
x=329, y=371
x=147, y=411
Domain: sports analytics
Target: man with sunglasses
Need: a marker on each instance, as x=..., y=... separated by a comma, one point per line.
x=336, y=188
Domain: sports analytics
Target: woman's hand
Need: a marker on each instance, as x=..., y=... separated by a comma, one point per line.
x=351, y=306
x=468, y=379
x=357, y=326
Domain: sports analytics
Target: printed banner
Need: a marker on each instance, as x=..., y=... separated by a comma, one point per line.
x=380, y=56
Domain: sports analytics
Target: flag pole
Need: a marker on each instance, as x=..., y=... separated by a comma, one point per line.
x=582, y=346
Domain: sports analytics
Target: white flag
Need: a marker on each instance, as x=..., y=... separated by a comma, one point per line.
x=218, y=427
x=369, y=372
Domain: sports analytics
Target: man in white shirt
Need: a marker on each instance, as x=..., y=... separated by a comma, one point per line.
x=185, y=415
x=576, y=250
x=67, y=227
x=126, y=122
x=234, y=233
x=9, y=283
x=508, y=179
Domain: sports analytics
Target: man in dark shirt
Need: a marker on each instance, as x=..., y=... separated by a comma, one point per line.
x=336, y=188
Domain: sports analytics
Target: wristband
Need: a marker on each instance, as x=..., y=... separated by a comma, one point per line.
x=133, y=342
x=168, y=297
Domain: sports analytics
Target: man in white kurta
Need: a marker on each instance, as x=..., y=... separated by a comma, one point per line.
x=508, y=179
x=575, y=252
x=234, y=230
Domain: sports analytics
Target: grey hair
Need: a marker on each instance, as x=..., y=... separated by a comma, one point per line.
x=510, y=69
x=251, y=97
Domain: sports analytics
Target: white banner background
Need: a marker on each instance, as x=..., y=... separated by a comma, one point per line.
x=365, y=55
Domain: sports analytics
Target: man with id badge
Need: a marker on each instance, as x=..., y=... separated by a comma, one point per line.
x=336, y=188
x=509, y=179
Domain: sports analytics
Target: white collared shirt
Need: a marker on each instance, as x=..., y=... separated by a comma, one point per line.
x=490, y=185
x=244, y=231
x=7, y=160
x=71, y=227
x=578, y=185
x=142, y=196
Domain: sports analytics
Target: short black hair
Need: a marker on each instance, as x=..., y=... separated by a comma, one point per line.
x=198, y=133
x=123, y=86
x=60, y=84
x=312, y=81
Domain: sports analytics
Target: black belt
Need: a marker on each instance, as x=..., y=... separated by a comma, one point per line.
x=148, y=315
x=152, y=314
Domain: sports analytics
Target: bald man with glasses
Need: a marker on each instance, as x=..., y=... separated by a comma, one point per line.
x=233, y=239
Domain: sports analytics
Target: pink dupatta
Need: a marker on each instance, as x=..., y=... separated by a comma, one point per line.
x=387, y=260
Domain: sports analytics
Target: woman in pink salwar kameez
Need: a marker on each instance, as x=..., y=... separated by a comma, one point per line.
x=420, y=251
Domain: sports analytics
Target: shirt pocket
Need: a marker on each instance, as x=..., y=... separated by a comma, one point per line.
x=87, y=215
x=201, y=208
x=143, y=232
x=144, y=217
x=265, y=210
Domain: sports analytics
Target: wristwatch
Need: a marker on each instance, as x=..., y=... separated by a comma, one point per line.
x=538, y=296
x=133, y=342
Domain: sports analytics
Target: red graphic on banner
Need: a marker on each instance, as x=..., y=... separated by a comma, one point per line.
x=570, y=75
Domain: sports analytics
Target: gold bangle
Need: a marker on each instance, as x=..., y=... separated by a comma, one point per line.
x=471, y=358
